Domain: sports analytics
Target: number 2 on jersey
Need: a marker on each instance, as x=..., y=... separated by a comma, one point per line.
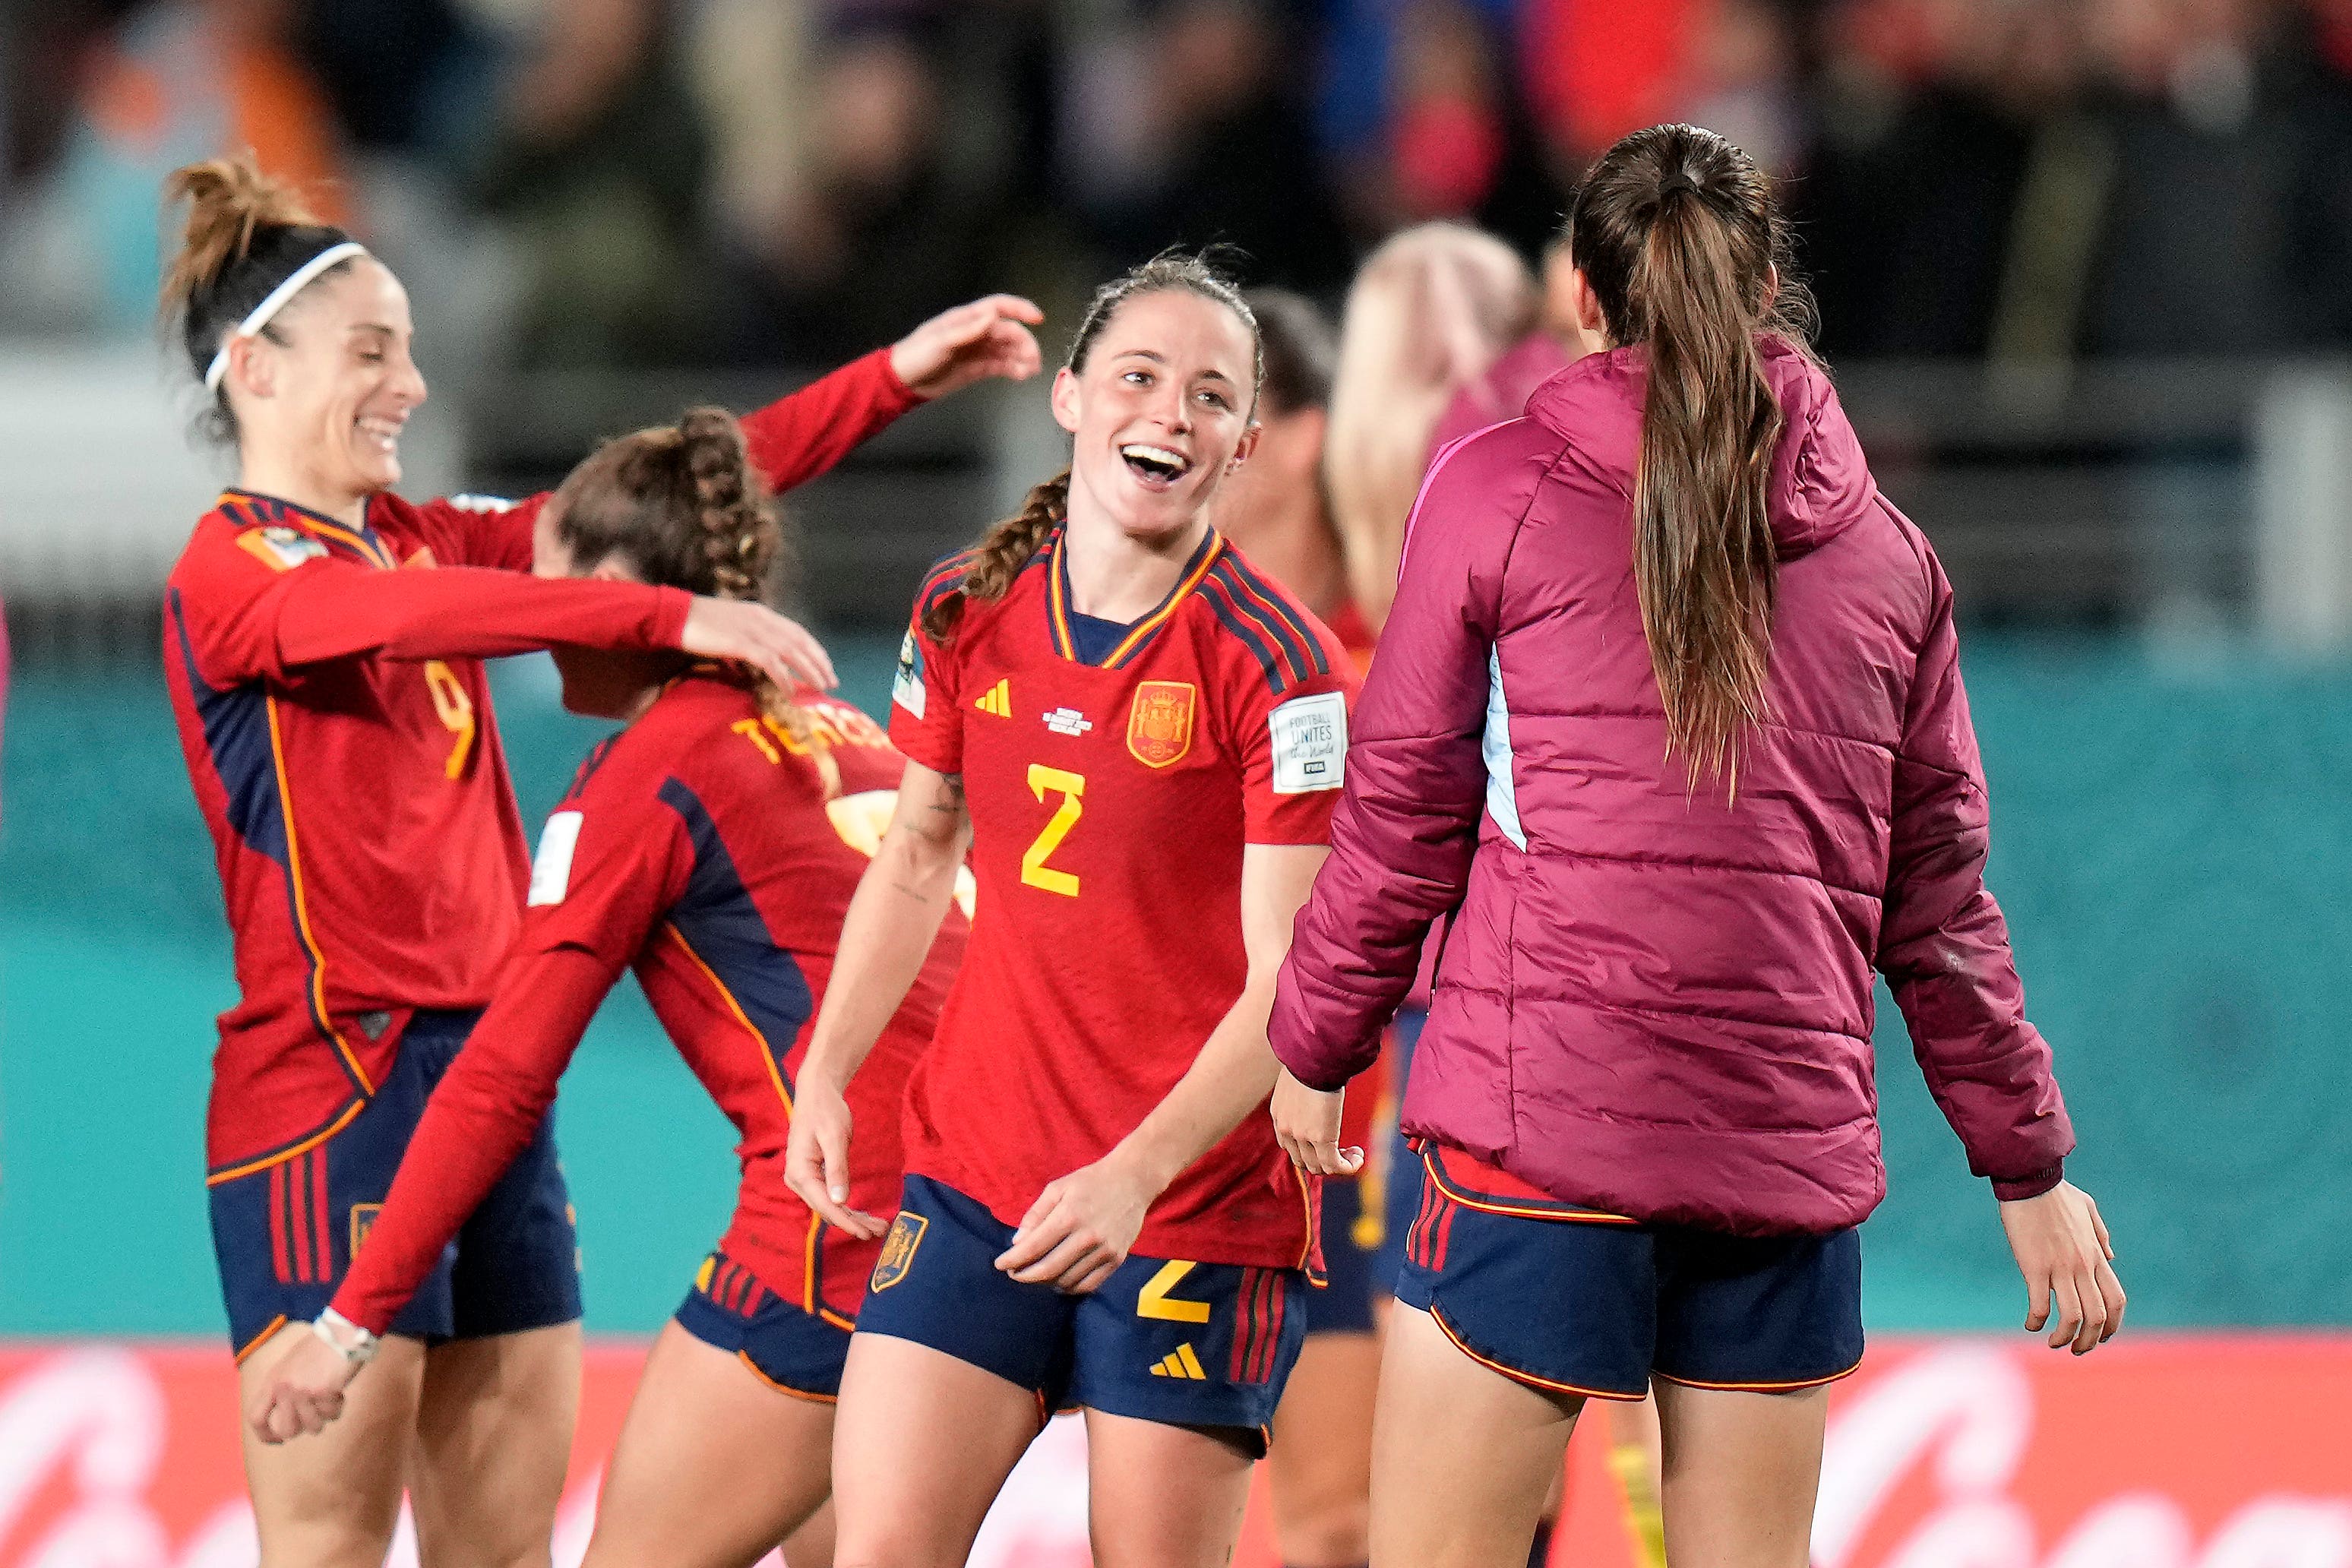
x=456, y=710
x=1043, y=780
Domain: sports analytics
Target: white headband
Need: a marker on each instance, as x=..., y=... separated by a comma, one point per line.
x=276, y=302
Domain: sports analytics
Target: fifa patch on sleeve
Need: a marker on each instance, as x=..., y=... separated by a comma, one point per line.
x=907, y=687
x=551, y=869
x=1310, y=743
x=281, y=549
x=491, y=505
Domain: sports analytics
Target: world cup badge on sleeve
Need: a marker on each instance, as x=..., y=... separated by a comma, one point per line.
x=1159, y=725
x=906, y=1233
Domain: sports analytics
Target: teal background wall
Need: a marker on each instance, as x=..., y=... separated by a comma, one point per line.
x=2172, y=841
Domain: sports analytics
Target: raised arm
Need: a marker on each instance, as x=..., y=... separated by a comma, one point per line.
x=801, y=435
x=893, y=919
x=1081, y=1226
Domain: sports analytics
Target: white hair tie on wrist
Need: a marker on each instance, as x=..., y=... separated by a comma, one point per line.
x=262, y=313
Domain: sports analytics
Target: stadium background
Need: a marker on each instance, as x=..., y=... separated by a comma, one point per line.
x=2086, y=269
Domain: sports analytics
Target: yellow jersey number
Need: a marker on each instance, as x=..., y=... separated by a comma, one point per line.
x=456, y=710
x=1072, y=787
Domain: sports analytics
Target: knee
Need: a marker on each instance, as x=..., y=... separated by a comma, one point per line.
x=1326, y=1533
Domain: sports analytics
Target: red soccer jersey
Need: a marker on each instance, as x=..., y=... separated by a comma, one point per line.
x=1110, y=804
x=700, y=848
x=336, y=721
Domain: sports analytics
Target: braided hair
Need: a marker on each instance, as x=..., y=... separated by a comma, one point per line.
x=684, y=507
x=992, y=564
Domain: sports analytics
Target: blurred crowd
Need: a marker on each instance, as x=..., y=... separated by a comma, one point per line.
x=623, y=182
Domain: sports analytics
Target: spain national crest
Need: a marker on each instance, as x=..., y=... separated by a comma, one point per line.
x=1159, y=725
x=898, y=1250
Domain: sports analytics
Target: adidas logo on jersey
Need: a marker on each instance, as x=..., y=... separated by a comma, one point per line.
x=997, y=699
x=1068, y=721
x=1183, y=1364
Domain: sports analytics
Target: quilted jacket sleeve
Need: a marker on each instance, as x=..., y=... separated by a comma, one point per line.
x=1944, y=948
x=1407, y=824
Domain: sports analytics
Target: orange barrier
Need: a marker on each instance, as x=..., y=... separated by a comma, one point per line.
x=2161, y=1451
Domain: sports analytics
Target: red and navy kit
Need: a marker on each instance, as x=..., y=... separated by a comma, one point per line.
x=333, y=708
x=1573, y=1300
x=1111, y=791
x=705, y=847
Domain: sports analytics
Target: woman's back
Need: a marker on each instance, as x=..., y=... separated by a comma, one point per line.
x=1671, y=981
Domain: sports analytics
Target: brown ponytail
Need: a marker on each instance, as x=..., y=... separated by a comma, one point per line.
x=684, y=506
x=992, y=564
x=244, y=235
x=1676, y=232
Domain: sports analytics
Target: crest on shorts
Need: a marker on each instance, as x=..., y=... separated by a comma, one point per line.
x=1159, y=725
x=897, y=1250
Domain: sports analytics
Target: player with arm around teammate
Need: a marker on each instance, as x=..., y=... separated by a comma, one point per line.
x=1138, y=736
x=712, y=846
x=322, y=639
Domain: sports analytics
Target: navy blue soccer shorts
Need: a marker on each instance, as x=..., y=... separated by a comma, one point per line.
x=284, y=1235
x=1190, y=1344
x=1351, y=1252
x=788, y=1349
x=1580, y=1304
x=1401, y=1180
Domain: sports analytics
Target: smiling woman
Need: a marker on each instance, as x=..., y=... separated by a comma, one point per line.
x=323, y=640
x=1138, y=736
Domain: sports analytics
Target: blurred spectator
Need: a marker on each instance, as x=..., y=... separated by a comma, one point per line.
x=1194, y=130
x=170, y=83
x=412, y=76
x=878, y=228
x=599, y=163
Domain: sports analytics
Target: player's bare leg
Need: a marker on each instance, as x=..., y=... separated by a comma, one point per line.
x=680, y=1493
x=1322, y=1455
x=493, y=1437
x=810, y=1546
x=331, y=1500
x=1462, y=1458
x=1162, y=1495
x=921, y=1444
x=1634, y=1460
x=1742, y=1470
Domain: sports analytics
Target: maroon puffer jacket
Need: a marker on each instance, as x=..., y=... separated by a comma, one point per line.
x=1654, y=1001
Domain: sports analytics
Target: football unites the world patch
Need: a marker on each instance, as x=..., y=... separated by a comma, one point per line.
x=1310, y=743
x=907, y=685
x=551, y=868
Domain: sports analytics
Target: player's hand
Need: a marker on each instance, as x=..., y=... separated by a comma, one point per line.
x=745, y=633
x=969, y=344
x=304, y=1390
x=816, y=1158
x=1079, y=1229
x=1306, y=1125
x=2064, y=1251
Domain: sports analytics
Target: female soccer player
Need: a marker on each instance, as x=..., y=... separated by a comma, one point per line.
x=1671, y=708
x=321, y=643
x=1139, y=736
x=1430, y=312
x=712, y=846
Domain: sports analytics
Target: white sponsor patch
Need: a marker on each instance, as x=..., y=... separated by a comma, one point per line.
x=907, y=685
x=490, y=504
x=551, y=871
x=1310, y=743
x=1068, y=721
